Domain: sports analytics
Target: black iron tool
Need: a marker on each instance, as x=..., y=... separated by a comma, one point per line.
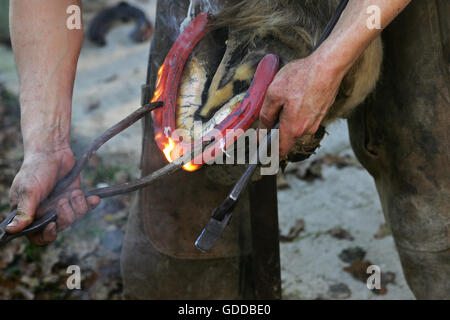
x=47, y=207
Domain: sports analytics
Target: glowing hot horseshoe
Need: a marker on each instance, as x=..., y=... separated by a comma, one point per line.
x=169, y=77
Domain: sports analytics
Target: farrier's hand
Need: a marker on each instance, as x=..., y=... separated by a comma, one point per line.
x=303, y=90
x=37, y=177
x=299, y=97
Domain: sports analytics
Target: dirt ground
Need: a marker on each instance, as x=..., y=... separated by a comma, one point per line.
x=331, y=223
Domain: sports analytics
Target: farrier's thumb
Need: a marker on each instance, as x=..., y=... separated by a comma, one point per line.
x=26, y=207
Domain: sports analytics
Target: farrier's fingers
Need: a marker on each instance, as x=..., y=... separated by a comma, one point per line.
x=270, y=110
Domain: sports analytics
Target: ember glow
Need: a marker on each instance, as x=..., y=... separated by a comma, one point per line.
x=191, y=167
x=159, y=89
x=169, y=147
x=167, y=83
x=167, y=143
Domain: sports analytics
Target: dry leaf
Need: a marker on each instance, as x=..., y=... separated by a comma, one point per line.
x=294, y=232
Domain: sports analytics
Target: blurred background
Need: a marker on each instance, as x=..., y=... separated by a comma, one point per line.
x=331, y=223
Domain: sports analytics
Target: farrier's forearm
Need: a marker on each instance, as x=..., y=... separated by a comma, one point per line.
x=352, y=36
x=46, y=54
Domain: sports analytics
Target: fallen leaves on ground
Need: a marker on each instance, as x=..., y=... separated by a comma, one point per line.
x=383, y=231
x=339, y=291
x=351, y=254
x=94, y=243
x=358, y=269
x=311, y=168
x=340, y=234
x=340, y=161
x=282, y=182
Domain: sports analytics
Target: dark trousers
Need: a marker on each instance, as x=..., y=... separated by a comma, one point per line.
x=401, y=136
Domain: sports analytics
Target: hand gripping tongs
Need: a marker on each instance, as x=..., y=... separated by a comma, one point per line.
x=46, y=212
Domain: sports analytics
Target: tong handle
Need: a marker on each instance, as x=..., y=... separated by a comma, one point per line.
x=221, y=216
x=39, y=224
x=35, y=226
x=64, y=183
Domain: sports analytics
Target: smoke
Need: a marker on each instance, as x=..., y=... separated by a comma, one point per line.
x=209, y=6
x=177, y=23
x=197, y=6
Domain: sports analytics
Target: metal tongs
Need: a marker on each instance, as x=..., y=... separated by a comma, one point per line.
x=47, y=211
x=221, y=216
